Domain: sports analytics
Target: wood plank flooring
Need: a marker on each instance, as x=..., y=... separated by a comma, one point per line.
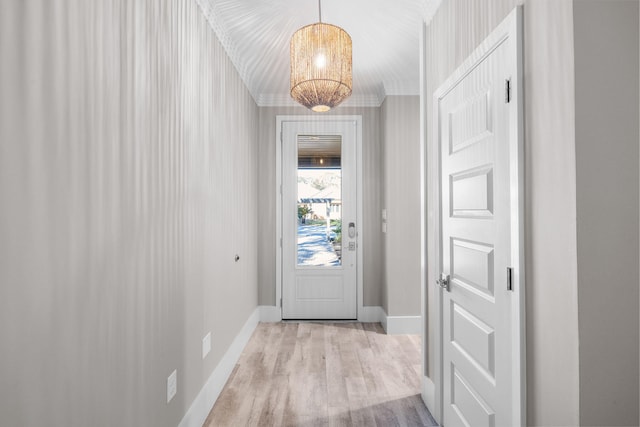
x=324, y=374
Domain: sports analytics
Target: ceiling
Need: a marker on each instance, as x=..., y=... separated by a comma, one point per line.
x=319, y=146
x=385, y=36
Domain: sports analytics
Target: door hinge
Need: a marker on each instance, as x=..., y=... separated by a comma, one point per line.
x=281, y=136
x=281, y=242
x=507, y=91
x=281, y=189
x=280, y=302
x=509, y=278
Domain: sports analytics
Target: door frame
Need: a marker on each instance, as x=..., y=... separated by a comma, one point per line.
x=280, y=120
x=433, y=385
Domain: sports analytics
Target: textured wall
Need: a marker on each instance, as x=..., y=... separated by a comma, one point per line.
x=550, y=239
x=128, y=181
x=606, y=53
x=401, y=159
x=372, y=199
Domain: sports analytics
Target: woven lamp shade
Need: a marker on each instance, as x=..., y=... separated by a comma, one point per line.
x=320, y=66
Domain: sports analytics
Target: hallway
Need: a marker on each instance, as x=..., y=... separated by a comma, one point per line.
x=316, y=374
x=142, y=239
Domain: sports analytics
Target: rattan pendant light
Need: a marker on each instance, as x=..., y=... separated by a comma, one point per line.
x=320, y=65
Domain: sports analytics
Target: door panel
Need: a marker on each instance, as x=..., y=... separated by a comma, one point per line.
x=468, y=404
x=474, y=121
x=472, y=267
x=319, y=253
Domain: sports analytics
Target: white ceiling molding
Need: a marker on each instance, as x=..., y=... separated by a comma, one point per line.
x=279, y=100
x=209, y=9
x=256, y=34
x=430, y=9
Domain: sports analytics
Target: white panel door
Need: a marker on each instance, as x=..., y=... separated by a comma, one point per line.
x=319, y=246
x=480, y=217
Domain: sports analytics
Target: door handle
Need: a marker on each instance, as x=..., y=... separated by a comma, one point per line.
x=443, y=281
x=352, y=230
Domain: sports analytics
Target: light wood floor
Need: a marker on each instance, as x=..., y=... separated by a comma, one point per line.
x=324, y=374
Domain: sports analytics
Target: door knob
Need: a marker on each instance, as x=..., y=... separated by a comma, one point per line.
x=443, y=281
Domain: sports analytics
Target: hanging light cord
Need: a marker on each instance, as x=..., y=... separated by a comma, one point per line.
x=320, y=10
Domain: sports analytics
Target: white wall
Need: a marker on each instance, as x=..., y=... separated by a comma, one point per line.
x=551, y=260
x=606, y=55
x=128, y=178
x=401, y=198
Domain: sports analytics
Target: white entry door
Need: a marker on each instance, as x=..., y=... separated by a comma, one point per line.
x=481, y=185
x=319, y=229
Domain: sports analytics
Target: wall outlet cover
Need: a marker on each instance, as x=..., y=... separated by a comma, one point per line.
x=206, y=345
x=172, y=385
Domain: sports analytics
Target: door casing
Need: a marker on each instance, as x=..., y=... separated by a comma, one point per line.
x=361, y=312
x=511, y=27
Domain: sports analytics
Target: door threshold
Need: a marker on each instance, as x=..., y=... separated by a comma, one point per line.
x=320, y=321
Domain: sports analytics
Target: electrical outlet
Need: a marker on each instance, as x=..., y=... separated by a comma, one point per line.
x=206, y=345
x=172, y=385
x=384, y=220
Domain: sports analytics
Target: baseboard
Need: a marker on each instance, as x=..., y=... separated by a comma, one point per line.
x=270, y=314
x=429, y=394
x=371, y=314
x=399, y=325
x=201, y=406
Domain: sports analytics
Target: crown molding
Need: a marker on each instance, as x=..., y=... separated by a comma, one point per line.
x=209, y=9
x=280, y=100
x=430, y=7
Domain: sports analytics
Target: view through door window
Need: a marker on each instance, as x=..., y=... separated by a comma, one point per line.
x=319, y=200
